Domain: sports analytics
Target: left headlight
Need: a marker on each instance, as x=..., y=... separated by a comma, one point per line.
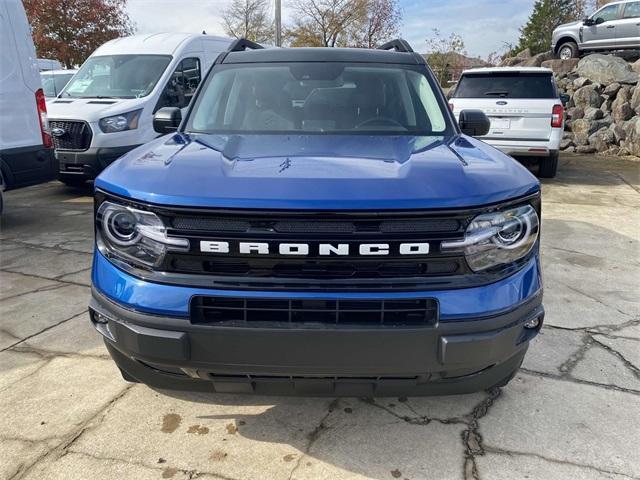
x=498, y=238
x=135, y=236
x=120, y=123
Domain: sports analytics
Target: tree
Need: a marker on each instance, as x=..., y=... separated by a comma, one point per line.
x=546, y=16
x=70, y=30
x=380, y=23
x=249, y=19
x=325, y=23
x=445, y=54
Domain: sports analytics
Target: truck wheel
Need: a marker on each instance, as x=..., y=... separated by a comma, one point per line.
x=548, y=166
x=568, y=50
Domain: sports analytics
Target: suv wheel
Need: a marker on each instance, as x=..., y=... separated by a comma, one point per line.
x=548, y=166
x=568, y=50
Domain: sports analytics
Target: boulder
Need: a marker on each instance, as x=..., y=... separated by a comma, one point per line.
x=606, y=69
x=510, y=62
x=612, y=89
x=635, y=100
x=602, y=139
x=560, y=67
x=586, y=149
x=592, y=113
x=622, y=112
x=581, y=82
x=587, y=96
x=574, y=113
x=618, y=133
x=524, y=54
x=632, y=139
x=566, y=143
x=581, y=129
x=537, y=60
x=635, y=66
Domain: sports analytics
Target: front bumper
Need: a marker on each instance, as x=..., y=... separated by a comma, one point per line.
x=456, y=355
x=88, y=163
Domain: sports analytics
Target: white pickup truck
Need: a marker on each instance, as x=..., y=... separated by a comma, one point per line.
x=525, y=109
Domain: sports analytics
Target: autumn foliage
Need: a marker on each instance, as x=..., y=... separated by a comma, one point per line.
x=70, y=30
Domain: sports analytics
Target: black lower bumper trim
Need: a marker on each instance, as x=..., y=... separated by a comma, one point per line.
x=89, y=163
x=449, y=357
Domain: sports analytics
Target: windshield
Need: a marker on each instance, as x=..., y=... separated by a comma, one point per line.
x=319, y=98
x=53, y=84
x=506, y=85
x=117, y=76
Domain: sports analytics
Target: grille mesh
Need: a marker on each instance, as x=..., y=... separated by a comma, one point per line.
x=76, y=136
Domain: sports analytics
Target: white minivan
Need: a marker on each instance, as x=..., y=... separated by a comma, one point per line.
x=107, y=108
x=26, y=153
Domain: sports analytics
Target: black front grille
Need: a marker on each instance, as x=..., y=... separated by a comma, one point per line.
x=241, y=311
x=70, y=135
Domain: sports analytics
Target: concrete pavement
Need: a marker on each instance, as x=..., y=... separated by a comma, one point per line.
x=573, y=412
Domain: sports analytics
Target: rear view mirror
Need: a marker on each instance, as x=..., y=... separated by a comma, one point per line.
x=167, y=120
x=474, y=123
x=564, y=98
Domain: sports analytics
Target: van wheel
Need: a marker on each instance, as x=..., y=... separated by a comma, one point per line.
x=73, y=181
x=548, y=166
x=568, y=50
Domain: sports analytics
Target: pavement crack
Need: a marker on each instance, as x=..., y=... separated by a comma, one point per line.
x=634, y=370
x=62, y=448
x=499, y=451
x=471, y=437
x=47, y=288
x=595, y=299
x=571, y=379
x=568, y=365
x=44, y=330
x=418, y=419
x=41, y=277
x=314, y=435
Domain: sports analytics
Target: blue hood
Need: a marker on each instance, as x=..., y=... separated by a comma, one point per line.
x=318, y=172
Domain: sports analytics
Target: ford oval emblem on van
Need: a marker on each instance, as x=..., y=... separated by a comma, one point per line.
x=57, y=132
x=501, y=102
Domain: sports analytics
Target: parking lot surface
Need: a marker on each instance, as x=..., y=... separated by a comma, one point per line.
x=573, y=411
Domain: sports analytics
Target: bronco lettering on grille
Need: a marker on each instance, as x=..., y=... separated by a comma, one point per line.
x=303, y=249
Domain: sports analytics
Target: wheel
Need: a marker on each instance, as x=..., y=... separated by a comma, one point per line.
x=73, y=181
x=548, y=166
x=568, y=50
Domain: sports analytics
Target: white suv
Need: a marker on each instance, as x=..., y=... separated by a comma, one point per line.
x=526, y=112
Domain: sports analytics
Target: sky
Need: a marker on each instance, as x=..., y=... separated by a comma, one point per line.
x=485, y=25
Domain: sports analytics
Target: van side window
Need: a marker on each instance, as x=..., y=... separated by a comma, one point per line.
x=182, y=84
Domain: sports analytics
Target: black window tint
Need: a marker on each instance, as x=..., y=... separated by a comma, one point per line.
x=182, y=84
x=506, y=85
x=632, y=10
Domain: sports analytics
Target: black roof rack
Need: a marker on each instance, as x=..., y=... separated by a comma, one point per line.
x=241, y=44
x=399, y=45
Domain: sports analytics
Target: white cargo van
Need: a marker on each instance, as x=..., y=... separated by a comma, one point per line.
x=26, y=156
x=107, y=108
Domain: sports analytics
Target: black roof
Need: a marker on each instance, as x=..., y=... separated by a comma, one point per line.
x=318, y=54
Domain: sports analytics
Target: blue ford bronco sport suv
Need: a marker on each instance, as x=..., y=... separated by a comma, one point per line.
x=317, y=223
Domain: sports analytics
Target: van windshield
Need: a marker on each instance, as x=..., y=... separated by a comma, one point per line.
x=117, y=76
x=312, y=97
x=506, y=85
x=53, y=84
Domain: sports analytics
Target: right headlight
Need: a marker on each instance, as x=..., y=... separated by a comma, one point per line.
x=135, y=236
x=497, y=238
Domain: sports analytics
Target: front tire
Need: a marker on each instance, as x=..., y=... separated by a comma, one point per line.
x=548, y=166
x=568, y=50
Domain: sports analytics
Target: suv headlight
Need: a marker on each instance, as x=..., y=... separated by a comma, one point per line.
x=120, y=123
x=135, y=236
x=498, y=238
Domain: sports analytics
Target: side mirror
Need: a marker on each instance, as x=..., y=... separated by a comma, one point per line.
x=564, y=98
x=474, y=123
x=167, y=119
x=588, y=22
